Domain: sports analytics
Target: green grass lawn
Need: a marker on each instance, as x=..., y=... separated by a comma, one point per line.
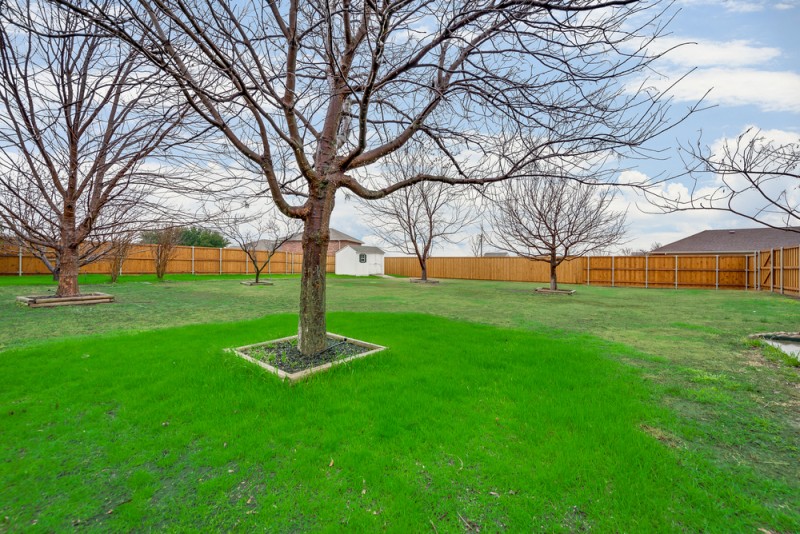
x=614, y=409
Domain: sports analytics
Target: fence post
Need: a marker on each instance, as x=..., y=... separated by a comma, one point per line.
x=757, y=267
x=269, y=265
x=676, y=271
x=716, y=273
x=292, y=262
x=247, y=262
x=220, y=261
x=19, y=266
x=781, y=270
x=772, y=270
x=746, y=271
x=192, y=259
x=588, y=270
x=612, y=271
x=646, y=257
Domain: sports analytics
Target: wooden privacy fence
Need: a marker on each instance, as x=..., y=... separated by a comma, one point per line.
x=776, y=270
x=188, y=260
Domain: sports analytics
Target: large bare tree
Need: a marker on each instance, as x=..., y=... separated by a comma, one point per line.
x=555, y=217
x=417, y=218
x=752, y=176
x=80, y=115
x=491, y=85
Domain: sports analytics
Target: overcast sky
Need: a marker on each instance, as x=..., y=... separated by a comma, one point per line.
x=748, y=53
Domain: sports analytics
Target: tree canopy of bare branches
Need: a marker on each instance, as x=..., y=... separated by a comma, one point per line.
x=490, y=85
x=416, y=218
x=80, y=114
x=551, y=219
x=751, y=176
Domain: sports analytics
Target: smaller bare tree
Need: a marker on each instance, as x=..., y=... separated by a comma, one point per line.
x=631, y=251
x=415, y=219
x=477, y=242
x=166, y=243
x=119, y=249
x=259, y=236
x=552, y=218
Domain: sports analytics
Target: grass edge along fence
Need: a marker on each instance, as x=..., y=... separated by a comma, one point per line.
x=776, y=270
x=186, y=260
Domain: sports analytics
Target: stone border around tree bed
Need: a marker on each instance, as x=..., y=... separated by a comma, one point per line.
x=294, y=377
x=254, y=283
x=421, y=281
x=49, y=301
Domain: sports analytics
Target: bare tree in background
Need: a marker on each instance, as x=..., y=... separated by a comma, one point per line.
x=752, y=176
x=166, y=241
x=416, y=218
x=491, y=85
x=630, y=251
x=80, y=114
x=477, y=242
x=119, y=249
x=259, y=236
x=550, y=219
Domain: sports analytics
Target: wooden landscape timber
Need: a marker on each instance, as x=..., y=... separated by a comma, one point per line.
x=242, y=352
x=50, y=301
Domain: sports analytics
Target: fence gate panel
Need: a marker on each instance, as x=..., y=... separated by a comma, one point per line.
x=765, y=268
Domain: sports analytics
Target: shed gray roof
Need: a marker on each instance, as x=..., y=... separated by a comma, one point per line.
x=336, y=235
x=733, y=240
x=364, y=249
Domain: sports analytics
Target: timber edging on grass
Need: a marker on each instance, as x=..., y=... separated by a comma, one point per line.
x=49, y=301
x=299, y=375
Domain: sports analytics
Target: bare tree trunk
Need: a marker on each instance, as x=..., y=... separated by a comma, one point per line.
x=258, y=271
x=553, y=266
x=423, y=264
x=316, y=233
x=68, y=257
x=68, y=274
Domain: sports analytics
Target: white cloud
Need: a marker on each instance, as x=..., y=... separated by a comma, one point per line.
x=767, y=90
x=689, y=52
x=736, y=6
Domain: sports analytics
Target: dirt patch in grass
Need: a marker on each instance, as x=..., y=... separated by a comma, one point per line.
x=662, y=435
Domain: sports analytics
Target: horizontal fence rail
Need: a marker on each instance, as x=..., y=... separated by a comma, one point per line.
x=186, y=260
x=776, y=270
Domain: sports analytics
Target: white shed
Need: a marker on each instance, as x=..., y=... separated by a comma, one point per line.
x=359, y=260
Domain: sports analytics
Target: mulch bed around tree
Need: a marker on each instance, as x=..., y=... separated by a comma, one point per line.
x=259, y=283
x=282, y=357
x=421, y=281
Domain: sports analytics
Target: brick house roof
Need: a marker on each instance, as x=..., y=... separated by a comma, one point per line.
x=736, y=240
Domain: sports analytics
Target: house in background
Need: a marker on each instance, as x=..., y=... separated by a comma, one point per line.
x=733, y=241
x=338, y=241
x=359, y=260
